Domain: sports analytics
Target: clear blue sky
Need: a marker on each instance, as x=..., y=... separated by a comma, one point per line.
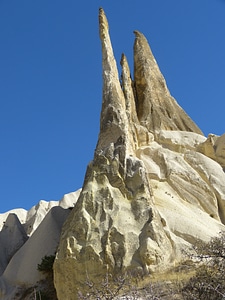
x=51, y=81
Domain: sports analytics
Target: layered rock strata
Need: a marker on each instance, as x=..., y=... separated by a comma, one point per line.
x=150, y=191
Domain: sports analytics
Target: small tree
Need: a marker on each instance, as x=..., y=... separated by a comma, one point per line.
x=47, y=290
x=46, y=265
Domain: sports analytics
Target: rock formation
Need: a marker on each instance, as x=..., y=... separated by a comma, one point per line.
x=154, y=186
x=25, y=238
x=151, y=190
x=156, y=108
x=12, y=238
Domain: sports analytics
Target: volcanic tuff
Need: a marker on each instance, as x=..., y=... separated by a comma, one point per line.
x=25, y=238
x=155, y=184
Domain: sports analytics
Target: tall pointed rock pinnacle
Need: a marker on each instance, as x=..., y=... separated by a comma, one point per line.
x=127, y=86
x=156, y=108
x=142, y=184
x=113, y=115
x=113, y=225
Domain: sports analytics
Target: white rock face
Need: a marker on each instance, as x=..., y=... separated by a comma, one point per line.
x=12, y=237
x=188, y=187
x=25, y=238
x=31, y=219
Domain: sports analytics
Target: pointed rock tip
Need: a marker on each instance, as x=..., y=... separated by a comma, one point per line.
x=139, y=35
x=12, y=219
x=103, y=23
x=140, y=39
x=123, y=59
x=124, y=63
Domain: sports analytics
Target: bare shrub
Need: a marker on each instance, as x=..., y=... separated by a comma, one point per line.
x=128, y=287
x=107, y=289
x=209, y=282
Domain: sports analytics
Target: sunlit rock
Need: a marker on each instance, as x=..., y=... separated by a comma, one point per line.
x=151, y=189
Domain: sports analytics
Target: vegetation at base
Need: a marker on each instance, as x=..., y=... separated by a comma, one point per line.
x=46, y=265
x=46, y=290
x=209, y=280
x=131, y=286
x=203, y=278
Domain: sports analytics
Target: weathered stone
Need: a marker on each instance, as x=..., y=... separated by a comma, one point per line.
x=114, y=215
x=156, y=108
x=21, y=253
x=214, y=147
x=149, y=193
x=220, y=150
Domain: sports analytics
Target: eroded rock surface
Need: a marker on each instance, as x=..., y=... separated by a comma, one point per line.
x=25, y=238
x=156, y=108
x=151, y=189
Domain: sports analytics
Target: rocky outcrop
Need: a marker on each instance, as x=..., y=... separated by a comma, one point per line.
x=214, y=147
x=12, y=238
x=22, y=269
x=150, y=192
x=25, y=238
x=32, y=218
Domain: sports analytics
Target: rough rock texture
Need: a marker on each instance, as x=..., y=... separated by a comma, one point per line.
x=156, y=108
x=214, y=147
x=151, y=189
x=25, y=238
x=155, y=186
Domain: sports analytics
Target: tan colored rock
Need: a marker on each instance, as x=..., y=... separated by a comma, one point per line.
x=214, y=147
x=207, y=147
x=220, y=150
x=114, y=224
x=149, y=192
x=156, y=108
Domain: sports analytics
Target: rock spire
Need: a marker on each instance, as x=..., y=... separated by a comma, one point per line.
x=112, y=225
x=156, y=108
x=144, y=198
